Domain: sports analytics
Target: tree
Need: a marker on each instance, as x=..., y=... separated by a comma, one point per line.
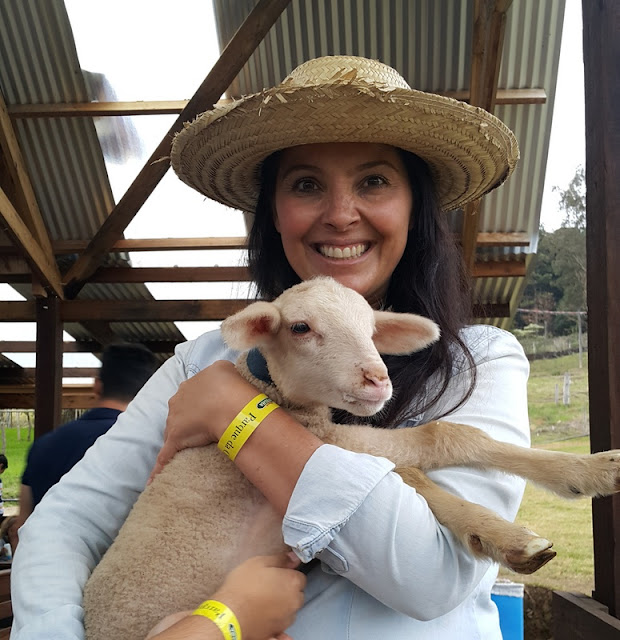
x=570, y=261
x=558, y=280
x=573, y=201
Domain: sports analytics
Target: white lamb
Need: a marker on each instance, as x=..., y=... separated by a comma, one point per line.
x=321, y=342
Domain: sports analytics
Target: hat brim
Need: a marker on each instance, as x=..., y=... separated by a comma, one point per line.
x=469, y=151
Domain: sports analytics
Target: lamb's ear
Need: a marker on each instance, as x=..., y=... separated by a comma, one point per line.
x=402, y=333
x=251, y=326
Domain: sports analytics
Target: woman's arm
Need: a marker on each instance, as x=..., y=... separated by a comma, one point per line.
x=68, y=532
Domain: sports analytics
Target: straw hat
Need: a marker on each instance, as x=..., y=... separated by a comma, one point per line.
x=344, y=99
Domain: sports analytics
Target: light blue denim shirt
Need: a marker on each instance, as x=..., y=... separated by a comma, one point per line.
x=388, y=568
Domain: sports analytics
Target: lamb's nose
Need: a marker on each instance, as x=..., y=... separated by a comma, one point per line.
x=376, y=380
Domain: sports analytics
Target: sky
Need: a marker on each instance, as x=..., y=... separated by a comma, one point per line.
x=168, y=63
x=567, y=145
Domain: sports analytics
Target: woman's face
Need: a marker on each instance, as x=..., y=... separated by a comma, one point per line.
x=344, y=210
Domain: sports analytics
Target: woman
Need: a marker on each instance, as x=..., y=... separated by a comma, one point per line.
x=347, y=171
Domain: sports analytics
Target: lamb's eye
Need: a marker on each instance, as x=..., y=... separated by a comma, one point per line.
x=300, y=327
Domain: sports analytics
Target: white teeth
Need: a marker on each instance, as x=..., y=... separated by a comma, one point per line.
x=347, y=252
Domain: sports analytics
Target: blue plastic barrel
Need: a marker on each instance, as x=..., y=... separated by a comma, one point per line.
x=508, y=598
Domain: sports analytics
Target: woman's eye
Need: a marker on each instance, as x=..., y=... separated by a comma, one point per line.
x=300, y=327
x=375, y=181
x=306, y=185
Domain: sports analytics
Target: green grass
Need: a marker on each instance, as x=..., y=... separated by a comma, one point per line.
x=568, y=524
x=16, y=452
x=550, y=421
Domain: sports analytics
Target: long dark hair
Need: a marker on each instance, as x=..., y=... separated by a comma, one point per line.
x=429, y=280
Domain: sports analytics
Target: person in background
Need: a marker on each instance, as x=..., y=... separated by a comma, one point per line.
x=4, y=465
x=346, y=172
x=124, y=369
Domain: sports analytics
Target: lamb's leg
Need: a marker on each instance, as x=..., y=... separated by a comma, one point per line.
x=482, y=532
x=568, y=475
x=440, y=444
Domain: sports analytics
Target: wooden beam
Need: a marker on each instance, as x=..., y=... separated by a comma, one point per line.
x=601, y=46
x=577, y=617
x=505, y=96
x=500, y=269
x=29, y=217
x=49, y=365
x=43, y=265
x=482, y=269
x=490, y=239
x=230, y=63
x=22, y=396
x=171, y=274
x=173, y=107
x=501, y=239
x=81, y=346
x=487, y=45
x=145, y=244
x=21, y=375
x=149, y=310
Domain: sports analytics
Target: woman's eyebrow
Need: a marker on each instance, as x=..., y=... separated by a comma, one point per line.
x=372, y=164
x=298, y=167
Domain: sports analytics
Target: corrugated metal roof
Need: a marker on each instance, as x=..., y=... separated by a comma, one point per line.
x=39, y=65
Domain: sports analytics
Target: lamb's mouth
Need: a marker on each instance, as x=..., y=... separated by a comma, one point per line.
x=343, y=253
x=362, y=406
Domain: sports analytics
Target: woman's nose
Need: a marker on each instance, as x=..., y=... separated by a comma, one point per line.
x=341, y=210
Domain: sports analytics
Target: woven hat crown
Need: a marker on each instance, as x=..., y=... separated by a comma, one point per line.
x=345, y=70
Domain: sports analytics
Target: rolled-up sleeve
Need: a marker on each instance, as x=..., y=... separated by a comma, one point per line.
x=356, y=515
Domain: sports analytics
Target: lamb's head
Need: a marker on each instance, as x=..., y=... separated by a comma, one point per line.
x=322, y=341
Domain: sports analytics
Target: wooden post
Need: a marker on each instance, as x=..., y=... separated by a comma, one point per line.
x=597, y=618
x=601, y=38
x=48, y=377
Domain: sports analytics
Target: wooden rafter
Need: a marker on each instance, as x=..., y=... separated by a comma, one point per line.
x=22, y=396
x=42, y=262
x=487, y=239
x=482, y=269
x=25, y=226
x=146, y=244
x=81, y=346
x=230, y=63
x=147, y=310
x=173, y=107
x=487, y=45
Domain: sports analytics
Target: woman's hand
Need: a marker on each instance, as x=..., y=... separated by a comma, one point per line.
x=264, y=592
x=202, y=408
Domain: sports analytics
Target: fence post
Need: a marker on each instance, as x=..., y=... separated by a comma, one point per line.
x=566, y=394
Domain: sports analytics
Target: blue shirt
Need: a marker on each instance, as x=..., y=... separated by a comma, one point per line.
x=56, y=452
x=388, y=568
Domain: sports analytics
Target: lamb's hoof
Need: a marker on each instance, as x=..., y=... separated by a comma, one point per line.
x=536, y=553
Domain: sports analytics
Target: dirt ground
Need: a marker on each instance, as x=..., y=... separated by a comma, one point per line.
x=537, y=613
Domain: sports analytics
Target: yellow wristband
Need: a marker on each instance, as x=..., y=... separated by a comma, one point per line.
x=223, y=617
x=244, y=424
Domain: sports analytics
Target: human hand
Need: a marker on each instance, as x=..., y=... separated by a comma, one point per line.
x=264, y=592
x=201, y=409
